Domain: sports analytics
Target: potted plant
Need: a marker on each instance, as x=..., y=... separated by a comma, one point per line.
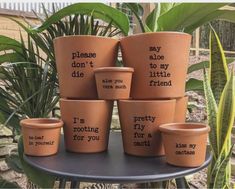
x=113, y=83
x=86, y=124
x=185, y=143
x=140, y=120
x=41, y=136
x=160, y=63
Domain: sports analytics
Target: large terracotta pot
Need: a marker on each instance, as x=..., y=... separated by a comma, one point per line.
x=76, y=59
x=41, y=136
x=139, y=123
x=185, y=143
x=113, y=83
x=181, y=109
x=86, y=124
x=160, y=62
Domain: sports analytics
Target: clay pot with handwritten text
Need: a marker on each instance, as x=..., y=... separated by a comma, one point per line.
x=113, y=83
x=76, y=59
x=160, y=61
x=185, y=143
x=140, y=120
x=181, y=109
x=41, y=136
x=86, y=124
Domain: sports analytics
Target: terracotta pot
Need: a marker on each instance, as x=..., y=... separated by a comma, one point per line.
x=185, y=143
x=86, y=124
x=160, y=62
x=139, y=123
x=76, y=59
x=181, y=109
x=113, y=82
x=41, y=136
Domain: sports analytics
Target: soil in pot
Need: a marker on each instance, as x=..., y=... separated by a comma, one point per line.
x=185, y=143
x=160, y=62
x=140, y=120
x=86, y=124
x=41, y=136
x=181, y=109
x=76, y=59
x=113, y=83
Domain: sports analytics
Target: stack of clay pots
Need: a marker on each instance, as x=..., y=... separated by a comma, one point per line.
x=160, y=62
x=86, y=118
x=152, y=105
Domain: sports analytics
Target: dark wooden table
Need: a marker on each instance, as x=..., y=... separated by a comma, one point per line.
x=112, y=166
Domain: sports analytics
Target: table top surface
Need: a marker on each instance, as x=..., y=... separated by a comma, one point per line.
x=112, y=166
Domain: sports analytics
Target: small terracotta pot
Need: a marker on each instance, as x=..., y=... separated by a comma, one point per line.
x=86, y=124
x=113, y=82
x=181, y=109
x=41, y=136
x=76, y=59
x=185, y=143
x=139, y=123
x=160, y=61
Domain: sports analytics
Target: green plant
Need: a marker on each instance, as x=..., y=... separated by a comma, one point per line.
x=97, y=10
x=220, y=99
x=185, y=17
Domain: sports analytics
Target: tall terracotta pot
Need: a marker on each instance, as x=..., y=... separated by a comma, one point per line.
x=139, y=123
x=86, y=124
x=185, y=143
x=76, y=59
x=160, y=62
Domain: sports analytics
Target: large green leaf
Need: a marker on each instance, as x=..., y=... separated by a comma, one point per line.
x=7, y=43
x=98, y=10
x=194, y=85
x=10, y=57
x=151, y=20
x=205, y=64
x=165, y=7
x=138, y=11
x=38, y=177
x=212, y=115
x=218, y=66
x=228, y=15
x=184, y=15
x=221, y=171
x=226, y=113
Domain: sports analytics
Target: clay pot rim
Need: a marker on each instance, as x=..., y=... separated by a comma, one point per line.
x=195, y=129
x=114, y=69
x=43, y=123
x=153, y=33
x=85, y=36
x=81, y=101
x=147, y=101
